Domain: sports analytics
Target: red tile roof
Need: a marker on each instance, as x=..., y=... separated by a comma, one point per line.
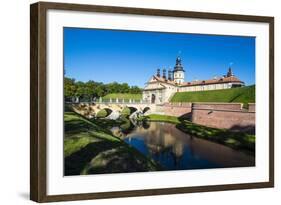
x=163, y=80
x=231, y=79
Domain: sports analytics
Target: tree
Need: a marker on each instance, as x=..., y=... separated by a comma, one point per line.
x=124, y=88
x=69, y=87
x=92, y=89
x=135, y=90
x=80, y=91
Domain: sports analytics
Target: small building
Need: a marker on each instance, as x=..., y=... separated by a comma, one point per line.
x=160, y=88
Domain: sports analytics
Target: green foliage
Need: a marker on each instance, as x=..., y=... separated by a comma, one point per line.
x=102, y=113
x=242, y=95
x=90, y=149
x=236, y=140
x=92, y=89
x=121, y=96
x=69, y=87
x=126, y=112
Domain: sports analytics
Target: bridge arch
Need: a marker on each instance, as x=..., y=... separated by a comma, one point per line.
x=145, y=109
x=132, y=109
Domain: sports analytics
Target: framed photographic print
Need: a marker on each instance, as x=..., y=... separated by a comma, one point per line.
x=134, y=102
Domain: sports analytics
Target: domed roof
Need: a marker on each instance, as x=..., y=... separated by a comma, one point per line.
x=178, y=66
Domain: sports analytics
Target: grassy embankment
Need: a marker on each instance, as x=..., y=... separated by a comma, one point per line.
x=236, y=140
x=125, y=96
x=243, y=95
x=91, y=149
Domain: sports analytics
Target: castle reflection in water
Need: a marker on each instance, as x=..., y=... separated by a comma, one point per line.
x=175, y=150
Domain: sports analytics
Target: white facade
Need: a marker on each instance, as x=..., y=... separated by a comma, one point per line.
x=158, y=92
x=179, y=77
x=161, y=89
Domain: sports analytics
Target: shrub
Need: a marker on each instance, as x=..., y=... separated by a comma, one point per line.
x=126, y=112
x=102, y=114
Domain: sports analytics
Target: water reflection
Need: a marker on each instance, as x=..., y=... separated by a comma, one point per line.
x=175, y=150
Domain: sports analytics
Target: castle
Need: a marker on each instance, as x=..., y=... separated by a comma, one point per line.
x=159, y=89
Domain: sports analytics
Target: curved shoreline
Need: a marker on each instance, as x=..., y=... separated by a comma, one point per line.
x=92, y=149
x=236, y=140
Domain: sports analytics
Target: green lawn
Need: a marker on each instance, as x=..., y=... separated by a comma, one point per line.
x=236, y=140
x=125, y=96
x=243, y=95
x=162, y=118
x=92, y=149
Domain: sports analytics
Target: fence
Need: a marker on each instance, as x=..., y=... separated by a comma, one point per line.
x=120, y=101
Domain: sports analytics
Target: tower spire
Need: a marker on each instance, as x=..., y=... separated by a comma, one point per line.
x=164, y=73
x=158, y=73
x=178, y=66
x=169, y=75
x=229, y=72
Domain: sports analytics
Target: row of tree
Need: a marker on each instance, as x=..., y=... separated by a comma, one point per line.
x=77, y=90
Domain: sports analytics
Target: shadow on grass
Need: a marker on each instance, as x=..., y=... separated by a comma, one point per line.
x=235, y=97
x=107, y=157
x=77, y=161
x=250, y=129
x=90, y=148
x=118, y=160
x=186, y=116
x=236, y=140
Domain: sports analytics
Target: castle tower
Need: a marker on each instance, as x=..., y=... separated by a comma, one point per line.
x=178, y=71
x=170, y=77
x=164, y=73
x=229, y=73
x=158, y=73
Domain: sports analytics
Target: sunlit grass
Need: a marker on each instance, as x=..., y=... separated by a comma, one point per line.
x=85, y=140
x=163, y=118
x=243, y=95
x=121, y=96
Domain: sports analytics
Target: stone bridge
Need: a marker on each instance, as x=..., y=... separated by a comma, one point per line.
x=219, y=115
x=91, y=109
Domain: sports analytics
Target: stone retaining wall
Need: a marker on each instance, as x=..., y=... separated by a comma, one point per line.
x=221, y=116
x=221, y=106
x=252, y=107
x=176, y=109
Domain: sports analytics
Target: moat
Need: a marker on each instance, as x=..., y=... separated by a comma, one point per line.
x=173, y=149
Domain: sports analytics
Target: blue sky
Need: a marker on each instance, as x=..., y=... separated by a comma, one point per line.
x=133, y=56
